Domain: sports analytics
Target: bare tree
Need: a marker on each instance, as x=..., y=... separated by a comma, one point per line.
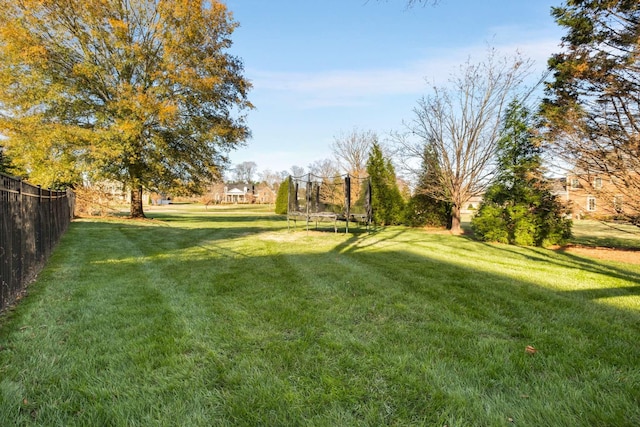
x=297, y=170
x=351, y=151
x=270, y=177
x=324, y=168
x=422, y=2
x=284, y=174
x=244, y=172
x=455, y=130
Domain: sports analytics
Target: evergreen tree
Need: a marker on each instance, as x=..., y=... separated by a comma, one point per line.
x=593, y=101
x=519, y=208
x=423, y=209
x=386, y=200
x=282, y=198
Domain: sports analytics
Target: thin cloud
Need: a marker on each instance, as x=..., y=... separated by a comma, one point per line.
x=357, y=88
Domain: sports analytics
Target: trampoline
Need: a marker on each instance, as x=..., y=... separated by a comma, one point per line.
x=339, y=200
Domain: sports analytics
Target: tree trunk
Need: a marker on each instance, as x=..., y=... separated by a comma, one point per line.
x=455, y=220
x=136, y=202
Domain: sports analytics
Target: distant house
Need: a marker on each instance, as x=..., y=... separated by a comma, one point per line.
x=471, y=206
x=240, y=193
x=264, y=194
x=592, y=195
x=604, y=187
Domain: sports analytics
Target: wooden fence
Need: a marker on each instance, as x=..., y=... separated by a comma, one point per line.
x=32, y=220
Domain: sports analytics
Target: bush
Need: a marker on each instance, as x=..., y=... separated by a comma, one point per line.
x=523, y=225
x=489, y=224
x=554, y=223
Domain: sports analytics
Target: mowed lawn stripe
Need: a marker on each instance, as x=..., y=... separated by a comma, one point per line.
x=223, y=318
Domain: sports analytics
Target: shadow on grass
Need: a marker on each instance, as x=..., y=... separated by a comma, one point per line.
x=601, y=293
x=374, y=327
x=566, y=259
x=225, y=227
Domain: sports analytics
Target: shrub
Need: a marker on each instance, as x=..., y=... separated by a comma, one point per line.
x=424, y=211
x=522, y=224
x=489, y=224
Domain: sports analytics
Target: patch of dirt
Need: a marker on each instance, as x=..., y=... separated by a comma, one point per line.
x=631, y=256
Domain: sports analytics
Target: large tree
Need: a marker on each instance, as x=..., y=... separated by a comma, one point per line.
x=141, y=91
x=455, y=131
x=351, y=152
x=593, y=103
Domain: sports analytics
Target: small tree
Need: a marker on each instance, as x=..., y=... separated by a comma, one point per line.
x=282, y=199
x=423, y=209
x=519, y=208
x=386, y=200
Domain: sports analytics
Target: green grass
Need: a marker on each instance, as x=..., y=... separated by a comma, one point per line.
x=223, y=317
x=606, y=234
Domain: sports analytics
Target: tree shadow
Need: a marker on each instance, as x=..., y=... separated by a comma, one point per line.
x=317, y=322
x=565, y=259
x=602, y=293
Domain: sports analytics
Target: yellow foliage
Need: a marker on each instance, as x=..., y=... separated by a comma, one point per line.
x=581, y=67
x=106, y=84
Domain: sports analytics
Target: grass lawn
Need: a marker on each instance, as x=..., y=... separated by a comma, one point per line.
x=223, y=317
x=606, y=234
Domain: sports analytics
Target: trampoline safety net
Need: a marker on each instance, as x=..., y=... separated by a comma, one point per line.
x=338, y=199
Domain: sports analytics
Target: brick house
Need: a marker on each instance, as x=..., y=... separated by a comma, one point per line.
x=595, y=196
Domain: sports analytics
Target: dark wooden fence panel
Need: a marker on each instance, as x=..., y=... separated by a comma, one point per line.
x=32, y=220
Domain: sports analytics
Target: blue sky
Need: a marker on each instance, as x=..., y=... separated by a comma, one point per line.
x=321, y=68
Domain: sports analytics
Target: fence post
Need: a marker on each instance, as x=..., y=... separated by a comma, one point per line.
x=40, y=234
x=51, y=229
x=21, y=231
